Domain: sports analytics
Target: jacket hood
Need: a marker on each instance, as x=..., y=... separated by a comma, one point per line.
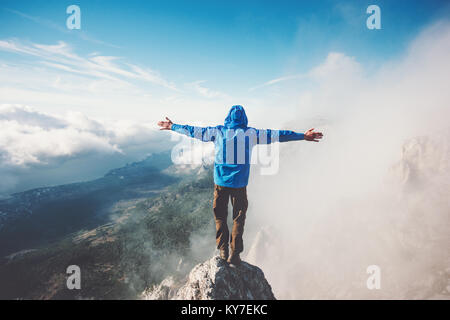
x=236, y=118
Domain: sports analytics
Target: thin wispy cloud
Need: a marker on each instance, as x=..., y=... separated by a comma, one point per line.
x=61, y=56
x=204, y=91
x=278, y=80
x=335, y=61
x=55, y=77
x=56, y=26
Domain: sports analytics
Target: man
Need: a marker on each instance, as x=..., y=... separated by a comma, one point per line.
x=233, y=144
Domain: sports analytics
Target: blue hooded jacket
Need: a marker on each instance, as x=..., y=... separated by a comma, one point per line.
x=234, y=142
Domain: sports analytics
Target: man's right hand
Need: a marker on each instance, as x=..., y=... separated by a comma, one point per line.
x=165, y=125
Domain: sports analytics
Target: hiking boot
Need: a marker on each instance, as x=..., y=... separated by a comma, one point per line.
x=234, y=259
x=224, y=254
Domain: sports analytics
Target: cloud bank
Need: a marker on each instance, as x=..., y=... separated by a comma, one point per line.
x=373, y=192
x=30, y=140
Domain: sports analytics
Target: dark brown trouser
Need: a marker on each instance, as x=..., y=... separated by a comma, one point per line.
x=220, y=206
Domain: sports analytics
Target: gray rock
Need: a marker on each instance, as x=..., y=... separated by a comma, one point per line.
x=215, y=279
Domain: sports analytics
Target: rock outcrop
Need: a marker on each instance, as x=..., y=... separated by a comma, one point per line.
x=215, y=279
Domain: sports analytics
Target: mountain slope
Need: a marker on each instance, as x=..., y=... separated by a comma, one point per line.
x=42, y=215
x=144, y=240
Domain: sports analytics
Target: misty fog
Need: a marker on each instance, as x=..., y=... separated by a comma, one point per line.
x=373, y=192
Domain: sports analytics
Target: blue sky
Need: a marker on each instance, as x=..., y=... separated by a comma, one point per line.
x=233, y=45
x=68, y=97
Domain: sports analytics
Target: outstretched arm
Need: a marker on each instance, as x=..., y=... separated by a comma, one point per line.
x=269, y=136
x=202, y=133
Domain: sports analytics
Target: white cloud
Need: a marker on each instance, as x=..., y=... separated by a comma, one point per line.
x=336, y=65
x=278, y=80
x=28, y=136
x=342, y=204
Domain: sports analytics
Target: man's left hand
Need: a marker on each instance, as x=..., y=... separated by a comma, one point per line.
x=311, y=135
